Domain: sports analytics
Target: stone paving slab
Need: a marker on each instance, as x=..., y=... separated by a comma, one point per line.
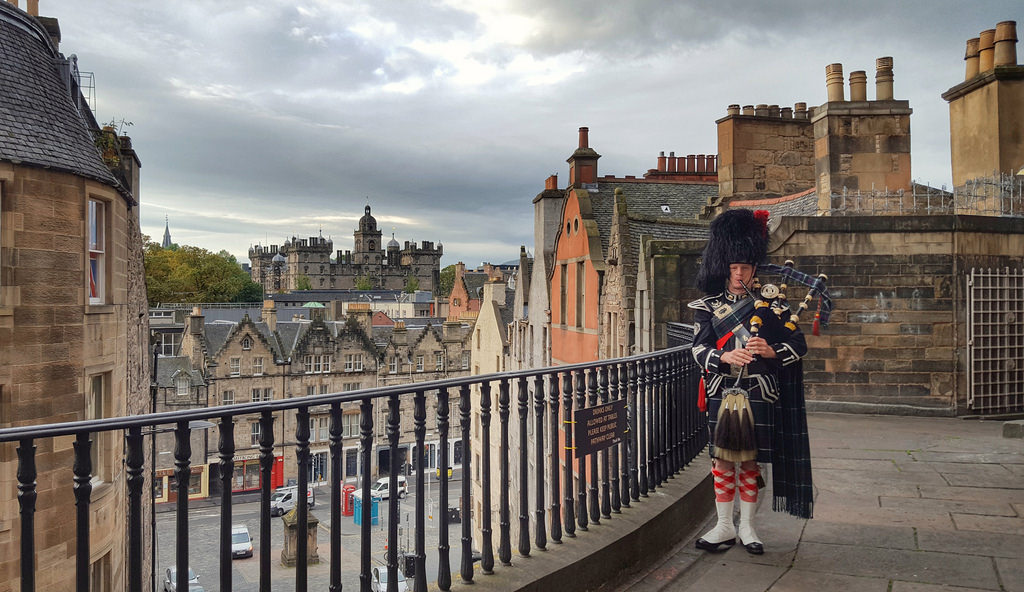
x=986, y=495
x=918, y=587
x=798, y=580
x=997, y=481
x=1010, y=456
x=1013, y=526
x=935, y=506
x=897, y=564
x=732, y=576
x=1011, y=573
x=991, y=544
x=891, y=537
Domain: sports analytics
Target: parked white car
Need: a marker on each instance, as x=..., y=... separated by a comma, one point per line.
x=379, y=580
x=283, y=500
x=380, y=488
x=241, y=542
x=171, y=580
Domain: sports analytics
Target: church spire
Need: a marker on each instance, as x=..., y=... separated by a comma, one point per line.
x=167, y=234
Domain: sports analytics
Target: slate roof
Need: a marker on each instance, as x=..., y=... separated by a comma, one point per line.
x=39, y=124
x=474, y=283
x=168, y=367
x=804, y=203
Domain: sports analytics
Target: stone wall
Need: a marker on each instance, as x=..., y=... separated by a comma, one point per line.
x=897, y=341
x=764, y=154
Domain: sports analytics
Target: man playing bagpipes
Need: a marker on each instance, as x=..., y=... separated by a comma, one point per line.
x=749, y=347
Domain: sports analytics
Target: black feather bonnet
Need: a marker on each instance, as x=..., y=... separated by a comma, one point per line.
x=736, y=236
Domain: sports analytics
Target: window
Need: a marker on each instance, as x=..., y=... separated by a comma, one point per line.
x=353, y=362
x=97, y=251
x=247, y=343
x=438, y=361
x=167, y=343
x=97, y=408
x=261, y=394
x=235, y=367
x=324, y=428
x=257, y=366
x=393, y=365
x=310, y=390
x=182, y=383
x=419, y=363
x=455, y=301
x=580, y=287
x=254, y=433
x=350, y=425
x=563, y=291
x=465, y=360
x=320, y=364
x=312, y=429
x=99, y=573
x=350, y=386
x=227, y=398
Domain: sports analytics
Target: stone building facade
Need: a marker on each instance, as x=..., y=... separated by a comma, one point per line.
x=267, y=359
x=379, y=266
x=73, y=324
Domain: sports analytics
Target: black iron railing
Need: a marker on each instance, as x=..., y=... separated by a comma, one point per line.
x=665, y=432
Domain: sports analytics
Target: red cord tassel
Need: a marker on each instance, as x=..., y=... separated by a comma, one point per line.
x=816, y=327
x=702, y=396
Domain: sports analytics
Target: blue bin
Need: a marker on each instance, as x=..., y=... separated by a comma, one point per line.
x=357, y=498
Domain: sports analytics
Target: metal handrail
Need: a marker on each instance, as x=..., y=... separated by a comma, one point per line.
x=665, y=432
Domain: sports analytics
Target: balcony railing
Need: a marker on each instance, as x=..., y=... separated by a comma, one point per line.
x=565, y=491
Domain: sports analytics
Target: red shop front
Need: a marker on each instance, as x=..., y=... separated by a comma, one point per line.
x=246, y=476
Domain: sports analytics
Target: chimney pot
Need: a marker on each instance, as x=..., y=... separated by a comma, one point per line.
x=834, y=82
x=672, y=162
x=859, y=85
x=773, y=111
x=761, y=110
x=883, y=79
x=971, y=57
x=787, y=113
x=551, y=182
x=986, y=50
x=691, y=163
x=733, y=110
x=800, y=110
x=1005, y=53
x=748, y=109
x=584, y=137
x=701, y=163
x=32, y=7
x=662, y=166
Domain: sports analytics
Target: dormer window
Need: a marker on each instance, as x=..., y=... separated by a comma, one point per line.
x=247, y=343
x=182, y=385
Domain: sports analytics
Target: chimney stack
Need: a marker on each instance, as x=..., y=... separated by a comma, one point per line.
x=986, y=49
x=859, y=85
x=551, y=182
x=1005, y=40
x=584, y=137
x=270, y=314
x=971, y=57
x=834, y=82
x=883, y=79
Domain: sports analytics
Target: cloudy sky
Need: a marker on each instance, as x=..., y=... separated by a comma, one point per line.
x=257, y=121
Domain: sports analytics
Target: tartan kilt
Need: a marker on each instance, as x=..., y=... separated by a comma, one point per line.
x=764, y=418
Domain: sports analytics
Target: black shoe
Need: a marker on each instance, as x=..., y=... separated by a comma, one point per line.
x=715, y=547
x=755, y=548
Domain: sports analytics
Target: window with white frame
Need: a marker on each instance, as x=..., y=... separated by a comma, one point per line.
x=182, y=384
x=438, y=361
x=465, y=360
x=310, y=390
x=247, y=343
x=97, y=251
x=319, y=364
x=257, y=366
x=419, y=363
x=235, y=366
x=324, y=428
x=350, y=386
x=227, y=398
x=98, y=407
x=353, y=362
x=312, y=429
x=350, y=425
x=254, y=433
x=167, y=343
x=262, y=394
x=393, y=365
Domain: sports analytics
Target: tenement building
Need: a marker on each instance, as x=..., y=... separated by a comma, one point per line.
x=73, y=323
x=308, y=263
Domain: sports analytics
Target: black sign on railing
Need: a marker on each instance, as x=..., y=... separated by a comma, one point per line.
x=599, y=427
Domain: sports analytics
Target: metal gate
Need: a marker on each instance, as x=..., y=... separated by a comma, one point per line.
x=995, y=340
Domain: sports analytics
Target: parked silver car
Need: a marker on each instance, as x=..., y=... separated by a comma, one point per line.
x=171, y=580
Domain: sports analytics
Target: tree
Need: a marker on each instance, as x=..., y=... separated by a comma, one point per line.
x=412, y=284
x=302, y=282
x=193, y=274
x=447, y=281
x=364, y=283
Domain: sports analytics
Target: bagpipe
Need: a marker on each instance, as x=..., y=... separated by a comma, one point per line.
x=734, y=436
